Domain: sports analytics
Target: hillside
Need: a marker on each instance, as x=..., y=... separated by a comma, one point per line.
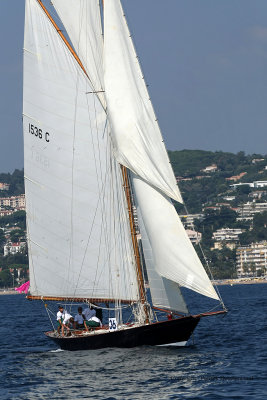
x=199, y=186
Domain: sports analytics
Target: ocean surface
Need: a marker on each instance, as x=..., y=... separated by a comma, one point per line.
x=228, y=358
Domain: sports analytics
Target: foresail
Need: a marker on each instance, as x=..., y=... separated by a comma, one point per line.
x=164, y=293
x=78, y=232
x=136, y=136
x=174, y=255
x=82, y=22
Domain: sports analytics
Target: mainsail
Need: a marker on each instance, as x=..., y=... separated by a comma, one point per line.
x=78, y=231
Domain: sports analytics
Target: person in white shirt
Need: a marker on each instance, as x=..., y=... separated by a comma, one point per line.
x=60, y=318
x=67, y=321
x=93, y=322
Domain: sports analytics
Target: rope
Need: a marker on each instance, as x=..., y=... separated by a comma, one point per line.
x=48, y=311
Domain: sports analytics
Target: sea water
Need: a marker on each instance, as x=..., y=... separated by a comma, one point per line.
x=228, y=358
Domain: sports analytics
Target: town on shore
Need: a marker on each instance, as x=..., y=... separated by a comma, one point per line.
x=225, y=193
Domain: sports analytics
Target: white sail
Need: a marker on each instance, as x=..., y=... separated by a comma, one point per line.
x=174, y=255
x=137, y=139
x=78, y=231
x=164, y=293
x=82, y=21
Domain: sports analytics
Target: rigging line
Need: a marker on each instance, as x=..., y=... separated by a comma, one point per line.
x=126, y=237
x=72, y=175
x=107, y=237
x=89, y=237
x=115, y=228
x=103, y=181
x=47, y=310
x=103, y=206
x=208, y=266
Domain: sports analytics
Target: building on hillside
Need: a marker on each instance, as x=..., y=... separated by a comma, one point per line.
x=188, y=219
x=250, y=208
x=255, y=184
x=218, y=207
x=194, y=236
x=210, y=168
x=229, y=198
x=257, y=194
x=4, y=213
x=221, y=245
x=14, y=248
x=15, y=202
x=256, y=160
x=251, y=260
x=226, y=237
x=227, y=234
x=4, y=186
x=236, y=177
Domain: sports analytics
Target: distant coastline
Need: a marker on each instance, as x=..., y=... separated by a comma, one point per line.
x=8, y=291
x=239, y=281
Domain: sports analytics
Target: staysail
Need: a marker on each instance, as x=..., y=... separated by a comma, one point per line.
x=138, y=145
x=164, y=292
x=78, y=231
x=173, y=253
x=137, y=139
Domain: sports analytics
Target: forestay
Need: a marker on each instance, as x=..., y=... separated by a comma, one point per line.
x=137, y=139
x=174, y=255
x=78, y=231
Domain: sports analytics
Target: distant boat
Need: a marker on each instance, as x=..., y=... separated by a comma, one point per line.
x=92, y=147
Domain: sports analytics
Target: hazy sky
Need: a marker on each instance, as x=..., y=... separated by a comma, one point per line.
x=205, y=62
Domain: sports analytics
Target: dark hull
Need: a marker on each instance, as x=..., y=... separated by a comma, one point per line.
x=159, y=333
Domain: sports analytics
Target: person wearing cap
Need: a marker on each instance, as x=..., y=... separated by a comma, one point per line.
x=60, y=318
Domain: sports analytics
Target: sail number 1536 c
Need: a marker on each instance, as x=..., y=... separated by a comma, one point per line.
x=34, y=130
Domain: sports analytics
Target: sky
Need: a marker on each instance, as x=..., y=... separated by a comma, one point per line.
x=205, y=62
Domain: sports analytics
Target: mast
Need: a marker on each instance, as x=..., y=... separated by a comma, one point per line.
x=133, y=234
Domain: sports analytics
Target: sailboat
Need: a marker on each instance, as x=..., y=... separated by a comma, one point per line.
x=95, y=164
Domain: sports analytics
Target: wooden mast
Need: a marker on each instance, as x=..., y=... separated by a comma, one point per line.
x=134, y=235
x=139, y=272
